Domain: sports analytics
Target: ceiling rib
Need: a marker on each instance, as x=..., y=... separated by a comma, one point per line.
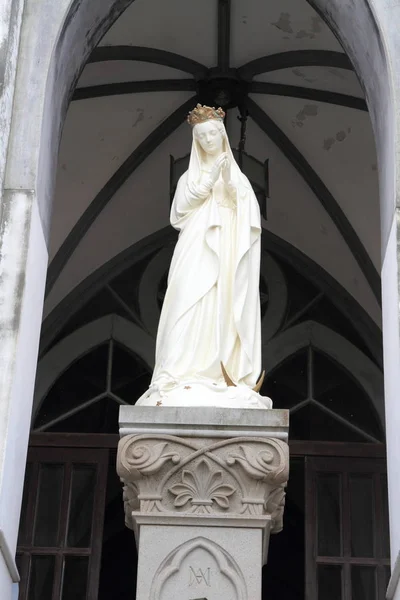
x=224, y=34
x=320, y=190
x=151, y=55
x=295, y=58
x=134, y=87
x=156, y=137
x=294, y=91
x=188, y=85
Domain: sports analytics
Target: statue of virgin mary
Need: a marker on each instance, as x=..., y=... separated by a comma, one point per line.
x=208, y=349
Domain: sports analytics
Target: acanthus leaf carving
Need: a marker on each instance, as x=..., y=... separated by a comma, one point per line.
x=256, y=464
x=130, y=498
x=275, y=505
x=148, y=460
x=138, y=460
x=268, y=464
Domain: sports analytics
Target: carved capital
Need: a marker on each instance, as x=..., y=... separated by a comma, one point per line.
x=235, y=476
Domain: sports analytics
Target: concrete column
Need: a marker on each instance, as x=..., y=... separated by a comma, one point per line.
x=23, y=260
x=203, y=490
x=23, y=272
x=391, y=346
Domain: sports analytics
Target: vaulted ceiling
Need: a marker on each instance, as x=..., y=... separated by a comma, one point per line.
x=306, y=114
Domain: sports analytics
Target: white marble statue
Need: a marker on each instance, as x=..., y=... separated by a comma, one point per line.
x=208, y=348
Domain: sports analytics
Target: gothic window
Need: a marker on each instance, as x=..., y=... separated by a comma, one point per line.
x=325, y=401
x=87, y=396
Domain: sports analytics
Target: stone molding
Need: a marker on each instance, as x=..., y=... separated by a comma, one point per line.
x=241, y=476
x=224, y=562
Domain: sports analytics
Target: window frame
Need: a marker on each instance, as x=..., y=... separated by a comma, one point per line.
x=359, y=463
x=42, y=453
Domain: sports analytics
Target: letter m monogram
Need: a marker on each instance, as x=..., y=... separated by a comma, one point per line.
x=200, y=576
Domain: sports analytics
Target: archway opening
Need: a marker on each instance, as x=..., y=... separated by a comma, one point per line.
x=126, y=113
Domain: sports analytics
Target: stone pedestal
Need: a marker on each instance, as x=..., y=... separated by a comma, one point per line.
x=203, y=490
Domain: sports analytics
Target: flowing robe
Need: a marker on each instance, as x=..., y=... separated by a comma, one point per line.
x=211, y=311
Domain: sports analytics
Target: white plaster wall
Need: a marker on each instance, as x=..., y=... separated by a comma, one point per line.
x=98, y=136
x=6, y=583
x=338, y=143
x=296, y=215
x=139, y=208
x=24, y=258
x=20, y=399
x=390, y=300
x=261, y=28
x=10, y=25
x=187, y=28
x=369, y=34
x=116, y=71
x=330, y=79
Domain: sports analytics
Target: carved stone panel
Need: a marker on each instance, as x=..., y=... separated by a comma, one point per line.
x=236, y=476
x=199, y=568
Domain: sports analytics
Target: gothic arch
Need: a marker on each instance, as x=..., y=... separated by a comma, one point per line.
x=82, y=341
x=49, y=66
x=336, y=347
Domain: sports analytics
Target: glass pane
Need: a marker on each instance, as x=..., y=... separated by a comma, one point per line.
x=336, y=390
x=385, y=518
x=23, y=523
x=48, y=505
x=100, y=417
x=329, y=582
x=287, y=384
x=41, y=577
x=362, y=515
x=328, y=514
x=363, y=583
x=311, y=423
x=326, y=313
x=75, y=578
x=81, y=506
x=130, y=377
x=84, y=380
x=300, y=291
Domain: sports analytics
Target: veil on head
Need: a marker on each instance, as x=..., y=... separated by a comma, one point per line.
x=195, y=161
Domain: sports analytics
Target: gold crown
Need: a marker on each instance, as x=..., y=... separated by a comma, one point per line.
x=204, y=113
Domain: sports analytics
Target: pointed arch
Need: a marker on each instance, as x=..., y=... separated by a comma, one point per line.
x=83, y=340
x=350, y=358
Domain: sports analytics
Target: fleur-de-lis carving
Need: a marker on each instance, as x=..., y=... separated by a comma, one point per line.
x=202, y=487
